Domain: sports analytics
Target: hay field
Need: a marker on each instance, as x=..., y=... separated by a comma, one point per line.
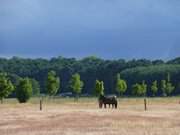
x=65, y=117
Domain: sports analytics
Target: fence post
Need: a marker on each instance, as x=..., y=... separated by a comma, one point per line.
x=40, y=105
x=145, y=104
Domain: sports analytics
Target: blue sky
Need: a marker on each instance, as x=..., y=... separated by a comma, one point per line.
x=109, y=29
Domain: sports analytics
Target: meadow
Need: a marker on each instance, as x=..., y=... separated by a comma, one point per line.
x=63, y=116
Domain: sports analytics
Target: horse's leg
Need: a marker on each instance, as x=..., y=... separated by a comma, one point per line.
x=116, y=105
x=100, y=105
x=104, y=105
x=109, y=105
x=112, y=105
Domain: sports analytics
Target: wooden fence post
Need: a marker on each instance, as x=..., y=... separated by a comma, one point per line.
x=40, y=105
x=145, y=104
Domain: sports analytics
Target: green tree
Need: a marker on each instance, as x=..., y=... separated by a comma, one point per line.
x=139, y=89
x=169, y=88
x=121, y=85
x=102, y=87
x=6, y=87
x=144, y=88
x=163, y=87
x=24, y=90
x=154, y=88
x=99, y=88
x=76, y=84
x=35, y=87
x=53, y=83
x=97, y=91
x=166, y=86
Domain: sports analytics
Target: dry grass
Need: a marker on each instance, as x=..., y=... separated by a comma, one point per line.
x=64, y=117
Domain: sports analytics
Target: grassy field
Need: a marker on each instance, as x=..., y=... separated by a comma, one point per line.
x=66, y=117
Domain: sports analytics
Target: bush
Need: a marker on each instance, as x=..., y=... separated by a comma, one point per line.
x=24, y=90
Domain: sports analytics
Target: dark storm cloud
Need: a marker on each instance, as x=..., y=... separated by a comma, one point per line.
x=77, y=28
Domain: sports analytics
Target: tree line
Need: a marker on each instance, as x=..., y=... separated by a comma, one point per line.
x=142, y=75
x=27, y=87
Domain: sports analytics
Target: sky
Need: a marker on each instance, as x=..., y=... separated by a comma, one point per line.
x=110, y=29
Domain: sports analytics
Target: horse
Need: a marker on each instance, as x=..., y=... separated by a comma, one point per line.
x=110, y=100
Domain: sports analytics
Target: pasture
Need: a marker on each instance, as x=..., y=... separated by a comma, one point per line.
x=66, y=117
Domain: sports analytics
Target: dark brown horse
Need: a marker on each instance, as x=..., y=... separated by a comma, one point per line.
x=110, y=100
